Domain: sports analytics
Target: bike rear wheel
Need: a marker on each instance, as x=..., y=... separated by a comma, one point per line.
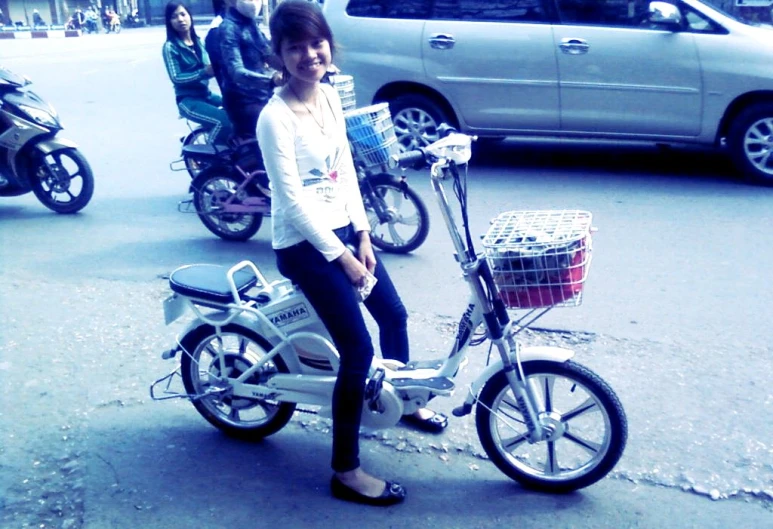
x=202, y=374
x=398, y=217
x=210, y=195
x=588, y=422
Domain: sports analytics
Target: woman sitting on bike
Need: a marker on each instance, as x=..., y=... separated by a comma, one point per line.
x=318, y=215
x=188, y=67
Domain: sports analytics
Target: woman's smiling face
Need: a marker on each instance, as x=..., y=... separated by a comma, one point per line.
x=306, y=59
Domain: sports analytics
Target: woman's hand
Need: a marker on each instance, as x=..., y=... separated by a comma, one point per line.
x=352, y=267
x=365, y=251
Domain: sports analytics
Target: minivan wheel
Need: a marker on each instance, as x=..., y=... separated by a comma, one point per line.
x=750, y=142
x=416, y=119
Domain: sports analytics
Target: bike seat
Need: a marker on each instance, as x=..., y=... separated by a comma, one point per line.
x=209, y=282
x=204, y=150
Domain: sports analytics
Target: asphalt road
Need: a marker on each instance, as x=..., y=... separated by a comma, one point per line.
x=675, y=317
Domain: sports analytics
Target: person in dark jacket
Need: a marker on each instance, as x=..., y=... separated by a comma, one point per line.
x=187, y=64
x=212, y=40
x=248, y=60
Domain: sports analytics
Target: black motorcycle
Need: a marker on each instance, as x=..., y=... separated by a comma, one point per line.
x=32, y=157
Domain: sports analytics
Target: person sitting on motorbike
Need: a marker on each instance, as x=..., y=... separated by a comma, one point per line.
x=91, y=19
x=187, y=64
x=212, y=40
x=321, y=235
x=113, y=20
x=248, y=63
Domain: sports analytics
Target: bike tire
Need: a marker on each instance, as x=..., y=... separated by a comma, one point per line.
x=49, y=186
x=539, y=466
x=215, y=185
x=243, y=348
x=398, y=233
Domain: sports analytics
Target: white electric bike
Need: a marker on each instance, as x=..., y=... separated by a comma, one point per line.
x=256, y=348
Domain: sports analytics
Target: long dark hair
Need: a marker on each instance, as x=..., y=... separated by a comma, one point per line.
x=297, y=20
x=171, y=7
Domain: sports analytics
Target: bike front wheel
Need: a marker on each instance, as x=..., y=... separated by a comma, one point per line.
x=587, y=424
x=62, y=180
x=398, y=217
x=205, y=378
x=214, y=191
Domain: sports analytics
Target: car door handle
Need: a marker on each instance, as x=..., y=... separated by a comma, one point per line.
x=574, y=46
x=442, y=41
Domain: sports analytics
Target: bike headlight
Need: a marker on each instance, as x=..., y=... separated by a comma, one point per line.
x=48, y=119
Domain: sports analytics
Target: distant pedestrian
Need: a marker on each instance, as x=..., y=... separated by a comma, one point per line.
x=37, y=20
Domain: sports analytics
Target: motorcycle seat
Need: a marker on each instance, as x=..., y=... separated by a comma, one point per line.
x=208, y=282
x=203, y=150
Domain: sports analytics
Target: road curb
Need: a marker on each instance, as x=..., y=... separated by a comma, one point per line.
x=43, y=34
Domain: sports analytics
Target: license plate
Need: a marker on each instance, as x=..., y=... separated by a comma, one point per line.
x=174, y=307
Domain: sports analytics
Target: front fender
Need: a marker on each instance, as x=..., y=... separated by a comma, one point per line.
x=55, y=144
x=528, y=354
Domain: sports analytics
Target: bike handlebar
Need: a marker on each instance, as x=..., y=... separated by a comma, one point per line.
x=415, y=159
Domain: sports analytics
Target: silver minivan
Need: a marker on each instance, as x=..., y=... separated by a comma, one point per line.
x=676, y=71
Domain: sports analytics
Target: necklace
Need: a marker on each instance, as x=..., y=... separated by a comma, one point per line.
x=320, y=122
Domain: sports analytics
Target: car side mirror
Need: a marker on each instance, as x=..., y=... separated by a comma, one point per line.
x=664, y=13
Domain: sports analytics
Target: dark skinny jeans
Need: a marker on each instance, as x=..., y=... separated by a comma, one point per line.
x=332, y=295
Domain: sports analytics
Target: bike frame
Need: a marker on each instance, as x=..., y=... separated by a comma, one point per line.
x=482, y=310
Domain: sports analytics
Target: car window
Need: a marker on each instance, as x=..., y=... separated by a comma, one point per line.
x=604, y=12
x=490, y=10
x=698, y=23
x=410, y=9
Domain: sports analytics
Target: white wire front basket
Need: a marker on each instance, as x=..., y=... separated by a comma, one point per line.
x=344, y=85
x=539, y=258
x=372, y=134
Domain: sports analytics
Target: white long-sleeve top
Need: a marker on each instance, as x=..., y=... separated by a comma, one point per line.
x=314, y=186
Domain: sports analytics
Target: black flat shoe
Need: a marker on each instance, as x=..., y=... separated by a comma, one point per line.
x=393, y=493
x=435, y=424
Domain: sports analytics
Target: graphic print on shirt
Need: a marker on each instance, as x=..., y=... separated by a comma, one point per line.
x=325, y=182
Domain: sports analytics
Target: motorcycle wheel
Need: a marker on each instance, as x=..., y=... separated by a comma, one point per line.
x=589, y=428
x=218, y=185
x=198, y=136
x=203, y=377
x=404, y=225
x=62, y=180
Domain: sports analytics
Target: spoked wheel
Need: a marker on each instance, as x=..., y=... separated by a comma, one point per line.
x=62, y=180
x=206, y=380
x=217, y=188
x=198, y=136
x=750, y=142
x=416, y=119
x=403, y=222
x=588, y=425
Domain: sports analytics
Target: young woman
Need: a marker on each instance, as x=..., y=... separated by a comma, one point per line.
x=321, y=234
x=188, y=67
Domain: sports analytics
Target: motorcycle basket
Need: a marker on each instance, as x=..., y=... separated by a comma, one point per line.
x=372, y=134
x=344, y=85
x=539, y=258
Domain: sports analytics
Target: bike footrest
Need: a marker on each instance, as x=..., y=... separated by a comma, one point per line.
x=439, y=385
x=186, y=206
x=422, y=364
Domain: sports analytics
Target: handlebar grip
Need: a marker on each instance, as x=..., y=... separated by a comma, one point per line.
x=414, y=158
